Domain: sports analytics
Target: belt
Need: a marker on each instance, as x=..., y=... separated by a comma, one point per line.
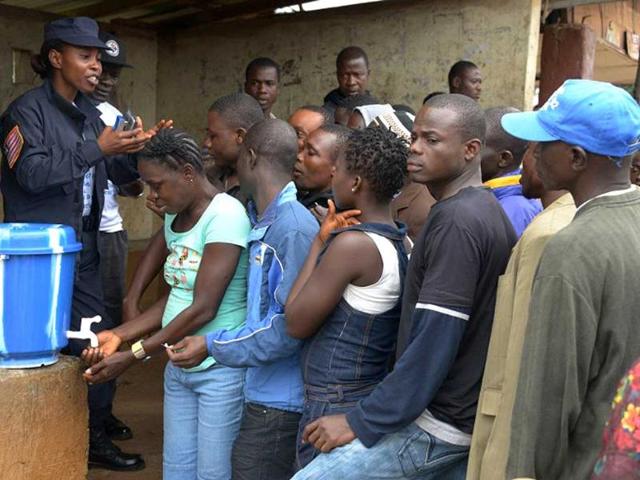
x=338, y=393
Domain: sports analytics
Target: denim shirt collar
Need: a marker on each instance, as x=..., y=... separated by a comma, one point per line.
x=260, y=225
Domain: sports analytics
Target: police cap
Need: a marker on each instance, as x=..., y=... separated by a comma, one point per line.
x=115, y=53
x=77, y=31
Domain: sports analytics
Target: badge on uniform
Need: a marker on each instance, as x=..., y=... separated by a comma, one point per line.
x=12, y=146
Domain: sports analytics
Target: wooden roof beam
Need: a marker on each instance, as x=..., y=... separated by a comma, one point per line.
x=228, y=12
x=111, y=7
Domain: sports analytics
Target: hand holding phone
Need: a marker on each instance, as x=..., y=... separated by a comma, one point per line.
x=125, y=122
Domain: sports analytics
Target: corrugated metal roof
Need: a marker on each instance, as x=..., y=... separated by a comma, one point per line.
x=155, y=13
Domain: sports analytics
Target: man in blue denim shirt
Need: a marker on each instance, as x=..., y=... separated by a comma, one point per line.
x=282, y=233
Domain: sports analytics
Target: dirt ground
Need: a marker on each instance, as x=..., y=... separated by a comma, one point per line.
x=138, y=403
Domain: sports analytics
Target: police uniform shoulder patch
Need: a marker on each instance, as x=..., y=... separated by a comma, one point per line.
x=12, y=146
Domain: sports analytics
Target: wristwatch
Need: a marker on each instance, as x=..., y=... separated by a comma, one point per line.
x=138, y=350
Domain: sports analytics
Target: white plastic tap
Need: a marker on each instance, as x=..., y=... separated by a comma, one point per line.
x=85, y=332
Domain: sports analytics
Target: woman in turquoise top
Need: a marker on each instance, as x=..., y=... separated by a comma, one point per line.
x=205, y=236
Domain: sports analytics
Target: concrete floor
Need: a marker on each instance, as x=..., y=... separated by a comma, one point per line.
x=138, y=403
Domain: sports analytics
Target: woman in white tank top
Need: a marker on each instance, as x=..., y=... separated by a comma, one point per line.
x=346, y=300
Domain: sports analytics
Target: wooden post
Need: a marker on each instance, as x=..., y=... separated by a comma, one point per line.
x=568, y=51
x=636, y=84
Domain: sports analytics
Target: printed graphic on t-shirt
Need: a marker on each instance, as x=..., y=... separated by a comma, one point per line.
x=87, y=191
x=181, y=267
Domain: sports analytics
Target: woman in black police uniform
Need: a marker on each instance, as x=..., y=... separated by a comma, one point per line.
x=57, y=156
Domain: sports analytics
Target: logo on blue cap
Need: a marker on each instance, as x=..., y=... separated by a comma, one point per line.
x=553, y=101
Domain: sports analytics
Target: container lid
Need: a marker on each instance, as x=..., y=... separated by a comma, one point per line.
x=37, y=239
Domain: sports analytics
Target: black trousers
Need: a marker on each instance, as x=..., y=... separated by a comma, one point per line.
x=113, y=267
x=266, y=445
x=88, y=302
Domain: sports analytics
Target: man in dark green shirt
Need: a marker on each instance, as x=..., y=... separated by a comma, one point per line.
x=582, y=334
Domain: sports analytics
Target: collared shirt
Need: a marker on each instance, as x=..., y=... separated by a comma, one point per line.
x=612, y=193
x=580, y=340
x=492, y=429
x=311, y=200
x=278, y=246
x=519, y=209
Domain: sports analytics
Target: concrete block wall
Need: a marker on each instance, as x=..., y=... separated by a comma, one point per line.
x=137, y=91
x=23, y=33
x=411, y=45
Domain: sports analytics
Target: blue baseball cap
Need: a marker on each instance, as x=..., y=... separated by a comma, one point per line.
x=78, y=31
x=597, y=116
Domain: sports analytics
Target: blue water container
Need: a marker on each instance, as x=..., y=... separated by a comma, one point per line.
x=37, y=265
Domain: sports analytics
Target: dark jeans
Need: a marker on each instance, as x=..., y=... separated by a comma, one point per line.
x=113, y=267
x=113, y=249
x=266, y=445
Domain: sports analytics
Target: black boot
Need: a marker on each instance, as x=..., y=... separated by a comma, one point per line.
x=104, y=454
x=116, y=429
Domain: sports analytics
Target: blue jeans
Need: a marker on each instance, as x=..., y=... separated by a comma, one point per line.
x=202, y=413
x=410, y=453
x=314, y=409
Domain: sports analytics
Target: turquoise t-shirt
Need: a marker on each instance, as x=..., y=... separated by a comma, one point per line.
x=224, y=221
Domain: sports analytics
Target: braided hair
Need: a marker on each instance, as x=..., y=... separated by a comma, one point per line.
x=379, y=157
x=174, y=149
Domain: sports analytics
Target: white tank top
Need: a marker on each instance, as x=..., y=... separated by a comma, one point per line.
x=382, y=295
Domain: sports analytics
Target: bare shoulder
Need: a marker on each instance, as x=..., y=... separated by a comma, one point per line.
x=353, y=255
x=352, y=241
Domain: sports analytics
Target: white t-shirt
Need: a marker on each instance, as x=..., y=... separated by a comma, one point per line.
x=111, y=220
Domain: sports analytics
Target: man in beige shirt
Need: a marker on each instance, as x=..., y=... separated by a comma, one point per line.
x=492, y=429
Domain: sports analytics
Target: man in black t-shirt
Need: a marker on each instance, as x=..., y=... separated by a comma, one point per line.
x=417, y=422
